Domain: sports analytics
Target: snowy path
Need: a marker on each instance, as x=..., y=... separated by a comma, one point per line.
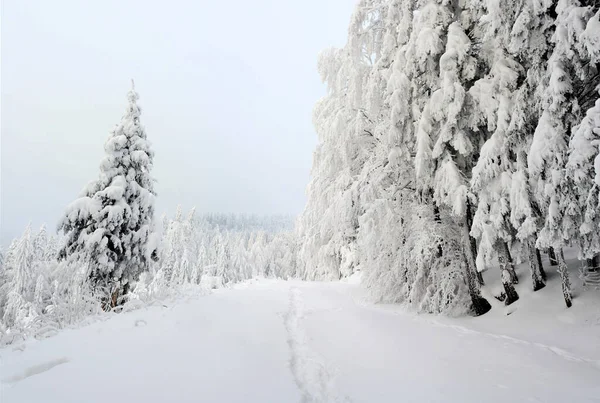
x=289, y=342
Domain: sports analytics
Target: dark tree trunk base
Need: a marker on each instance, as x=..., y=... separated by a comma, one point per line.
x=114, y=298
x=538, y=285
x=511, y=294
x=511, y=265
x=507, y=272
x=538, y=276
x=541, y=265
x=593, y=264
x=480, y=305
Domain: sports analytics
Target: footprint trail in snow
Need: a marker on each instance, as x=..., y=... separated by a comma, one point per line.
x=314, y=379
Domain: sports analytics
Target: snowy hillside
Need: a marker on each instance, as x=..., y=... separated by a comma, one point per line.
x=539, y=318
x=290, y=341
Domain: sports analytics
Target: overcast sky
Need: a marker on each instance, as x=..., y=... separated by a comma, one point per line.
x=226, y=89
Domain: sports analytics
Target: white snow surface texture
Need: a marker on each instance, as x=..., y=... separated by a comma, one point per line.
x=292, y=341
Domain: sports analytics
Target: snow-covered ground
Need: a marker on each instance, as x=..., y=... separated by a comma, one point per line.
x=280, y=341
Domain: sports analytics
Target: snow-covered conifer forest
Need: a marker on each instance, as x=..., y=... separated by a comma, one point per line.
x=457, y=137
x=456, y=176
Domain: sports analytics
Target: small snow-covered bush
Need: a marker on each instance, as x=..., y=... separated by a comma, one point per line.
x=39, y=295
x=211, y=282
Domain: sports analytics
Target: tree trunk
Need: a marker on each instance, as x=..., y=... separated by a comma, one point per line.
x=538, y=256
x=102, y=290
x=593, y=264
x=114, y=298
x=503, y=259
x=473, y=243
x=538, y=279
x=589, y=265
x=591, y=274
x=437, y=218
x=511, y=264
x=552, y=257
x=563, y=270
x=124, y=293
x=480, y=304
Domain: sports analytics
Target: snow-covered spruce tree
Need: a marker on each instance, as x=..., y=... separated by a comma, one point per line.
x=109, y=229
x=379, y=182
x=446, y=139
x=3, y=277
x=18, y=310
x=6, y=276
x=500, y=102
x=44, y=256
x=491, y=182
x=584, y=167
x=319, y=226
x=315, y=224
x=583, y=29
x=397, y=240
x=516, y=41
x=180, y=249
x=568, y=77
x=172, y=246
x=3, y=286
x=546, y=160
x=193, y=236
x=283, y=252
x=225, y=269
x=525, y=218
x=344, y=120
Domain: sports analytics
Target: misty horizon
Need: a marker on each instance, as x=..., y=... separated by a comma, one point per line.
x=228, y=112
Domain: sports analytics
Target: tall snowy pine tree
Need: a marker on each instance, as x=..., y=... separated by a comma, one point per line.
x=109, y=229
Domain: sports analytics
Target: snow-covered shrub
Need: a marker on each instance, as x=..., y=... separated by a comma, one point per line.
x=38, y=294
x=211, y=282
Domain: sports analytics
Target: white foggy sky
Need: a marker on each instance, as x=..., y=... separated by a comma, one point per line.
x=226, y=88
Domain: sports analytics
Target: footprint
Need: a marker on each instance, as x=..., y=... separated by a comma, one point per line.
x=20, y=347
x=140, y=323
x=36, y=370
